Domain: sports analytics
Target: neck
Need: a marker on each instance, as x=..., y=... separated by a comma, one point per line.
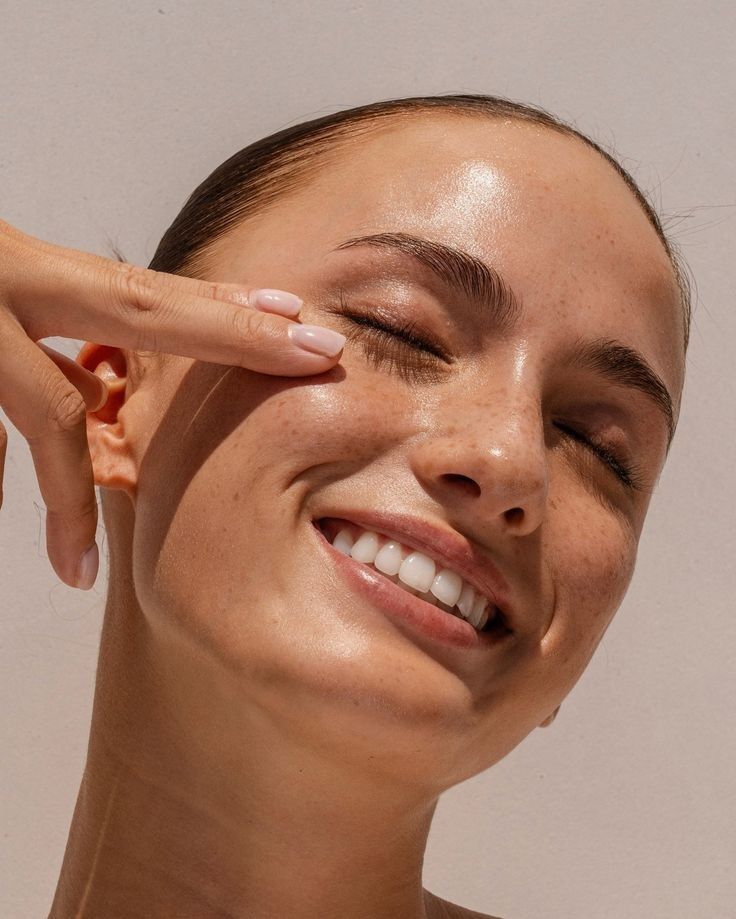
x=196, y=801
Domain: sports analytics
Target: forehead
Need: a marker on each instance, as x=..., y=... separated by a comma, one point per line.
x=543, y=208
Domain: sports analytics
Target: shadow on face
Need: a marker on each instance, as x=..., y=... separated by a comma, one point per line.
x=495, y=282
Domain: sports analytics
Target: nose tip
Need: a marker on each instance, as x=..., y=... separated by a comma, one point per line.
x=507, y=484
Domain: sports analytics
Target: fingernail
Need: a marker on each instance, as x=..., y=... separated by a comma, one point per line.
x=88, y=566
x=317, y=339
x=282, y=302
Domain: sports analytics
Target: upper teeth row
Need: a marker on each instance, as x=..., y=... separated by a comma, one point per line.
x=417, y=571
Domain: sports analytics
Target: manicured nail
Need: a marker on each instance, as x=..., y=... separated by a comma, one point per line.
x=316, y=339
x=88, y=566
x=282, y=302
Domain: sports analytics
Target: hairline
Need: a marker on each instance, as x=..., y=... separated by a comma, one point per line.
x=328, y=145
x=305, y=150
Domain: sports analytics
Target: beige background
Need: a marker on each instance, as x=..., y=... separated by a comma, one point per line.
x=110, y=113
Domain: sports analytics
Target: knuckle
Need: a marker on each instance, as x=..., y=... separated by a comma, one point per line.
x=73, y=513
x=240, y=322
x=141, y=304
x=225, y=292
x=241, y=326
x=66, y=411
x=131, y=288
x=84, y=509
x=212, y=290
x=248, y=325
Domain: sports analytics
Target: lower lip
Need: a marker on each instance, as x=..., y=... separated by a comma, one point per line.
x=405, y=608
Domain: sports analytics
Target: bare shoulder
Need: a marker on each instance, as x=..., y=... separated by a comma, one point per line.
x=446, y=910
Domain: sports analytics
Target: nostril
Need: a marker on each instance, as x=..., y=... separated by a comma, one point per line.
x=515, y=515
x=463, y=480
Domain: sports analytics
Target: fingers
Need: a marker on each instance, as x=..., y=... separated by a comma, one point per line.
x=51, y=414
x=47, y=290
x=91, y=387
x=132, y=309
x=57, y=291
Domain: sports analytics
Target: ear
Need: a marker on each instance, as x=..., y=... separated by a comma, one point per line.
x=113, y=459
x=550, y=718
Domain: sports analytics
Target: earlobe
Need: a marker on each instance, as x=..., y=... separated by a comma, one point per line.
x=109, y=444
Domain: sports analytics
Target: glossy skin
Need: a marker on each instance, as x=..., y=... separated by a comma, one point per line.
x=48, y=290
x=278, y=745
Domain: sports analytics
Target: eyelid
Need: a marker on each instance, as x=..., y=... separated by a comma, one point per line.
x=403, y=336
x=411, y=362
x=617, y=459
x=404, y=329
x=398, y=330
x=406, y=359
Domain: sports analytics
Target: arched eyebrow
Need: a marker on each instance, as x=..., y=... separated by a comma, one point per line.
x=626, y=367
x=482, y=284
x=459, y=270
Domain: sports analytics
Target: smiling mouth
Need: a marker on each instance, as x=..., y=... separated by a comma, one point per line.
x=421, y=576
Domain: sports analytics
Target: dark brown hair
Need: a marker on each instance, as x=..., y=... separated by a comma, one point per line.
x=267, y=170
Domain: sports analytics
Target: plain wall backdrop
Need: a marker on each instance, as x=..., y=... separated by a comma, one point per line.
x=111, y=113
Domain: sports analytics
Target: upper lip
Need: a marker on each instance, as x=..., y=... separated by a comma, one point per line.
x=445, y=546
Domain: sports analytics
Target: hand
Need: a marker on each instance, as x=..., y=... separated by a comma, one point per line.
x=47, y=290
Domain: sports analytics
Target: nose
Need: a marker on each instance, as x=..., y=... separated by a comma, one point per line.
x=488, y=460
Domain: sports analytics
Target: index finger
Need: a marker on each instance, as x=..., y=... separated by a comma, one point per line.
x=141, y=309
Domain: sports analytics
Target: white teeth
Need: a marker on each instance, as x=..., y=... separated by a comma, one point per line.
x=448, y=609
x=479, y=605
x=366, y=548
x=343, y=541
x=485, y=616
x=417, y=571
x=447, y=586
x=465, y=603
x=389, y=558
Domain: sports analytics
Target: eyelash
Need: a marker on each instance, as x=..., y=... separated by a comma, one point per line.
x=404, y=336
x=411, y=356
x=626, y=471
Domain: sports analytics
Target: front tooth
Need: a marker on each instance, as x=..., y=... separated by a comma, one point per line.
x=417, y=571
x=447, y=586
x=366, y=548
x=388, y=559
x=467, y=598
x=343, y=541
x=476, y=614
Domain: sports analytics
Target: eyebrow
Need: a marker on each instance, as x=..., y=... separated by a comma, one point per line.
x=459, y=270
x=484, y=285
x=626, y=367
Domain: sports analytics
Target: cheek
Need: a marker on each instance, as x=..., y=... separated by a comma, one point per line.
x=224, y=486
x=591, y=554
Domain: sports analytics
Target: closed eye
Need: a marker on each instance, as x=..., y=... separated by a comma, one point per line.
x=398, y=344
x=407, y=352
x=624, y=470
x=399, y=350
x=405, y=332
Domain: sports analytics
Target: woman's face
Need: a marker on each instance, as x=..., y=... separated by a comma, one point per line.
x=234, y=467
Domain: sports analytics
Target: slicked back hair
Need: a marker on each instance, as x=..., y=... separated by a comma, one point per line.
x=269, y=169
